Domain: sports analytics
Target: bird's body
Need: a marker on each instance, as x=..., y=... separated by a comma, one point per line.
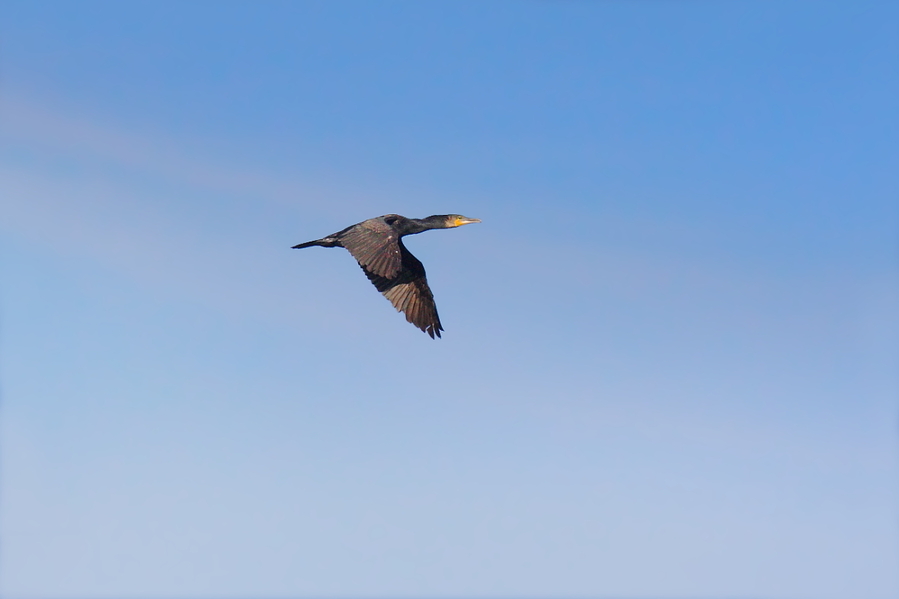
x=377, y=246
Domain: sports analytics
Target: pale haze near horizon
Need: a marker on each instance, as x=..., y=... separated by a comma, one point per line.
x=670, y=359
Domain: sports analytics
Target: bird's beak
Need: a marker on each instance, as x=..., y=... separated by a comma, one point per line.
x=464, y=220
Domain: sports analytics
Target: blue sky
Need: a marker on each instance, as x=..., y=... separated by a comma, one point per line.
x=670, y=359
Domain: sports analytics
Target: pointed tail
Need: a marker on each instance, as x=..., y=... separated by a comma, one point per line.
x=330, y=241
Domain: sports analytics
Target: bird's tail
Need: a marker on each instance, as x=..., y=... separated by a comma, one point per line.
x=326, y=242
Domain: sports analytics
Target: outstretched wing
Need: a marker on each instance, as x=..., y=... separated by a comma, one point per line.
x=375, y=245
x=409, y=293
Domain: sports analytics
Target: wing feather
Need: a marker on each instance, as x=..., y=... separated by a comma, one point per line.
x=375, y=245
x=408, y=291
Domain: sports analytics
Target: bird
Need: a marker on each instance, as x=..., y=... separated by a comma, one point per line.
x=377, y=245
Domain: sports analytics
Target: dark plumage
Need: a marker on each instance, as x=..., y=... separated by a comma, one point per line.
x=377, y=246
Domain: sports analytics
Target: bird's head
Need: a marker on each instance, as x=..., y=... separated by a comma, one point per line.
x=457, y=220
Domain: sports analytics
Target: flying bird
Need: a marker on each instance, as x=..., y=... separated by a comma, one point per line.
x=377, y=246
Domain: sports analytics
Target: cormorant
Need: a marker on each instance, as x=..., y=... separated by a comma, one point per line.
x=377, y=246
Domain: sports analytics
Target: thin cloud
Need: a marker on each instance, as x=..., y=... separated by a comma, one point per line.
x=32, y=125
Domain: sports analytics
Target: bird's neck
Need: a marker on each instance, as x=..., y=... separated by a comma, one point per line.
x=419, y=225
